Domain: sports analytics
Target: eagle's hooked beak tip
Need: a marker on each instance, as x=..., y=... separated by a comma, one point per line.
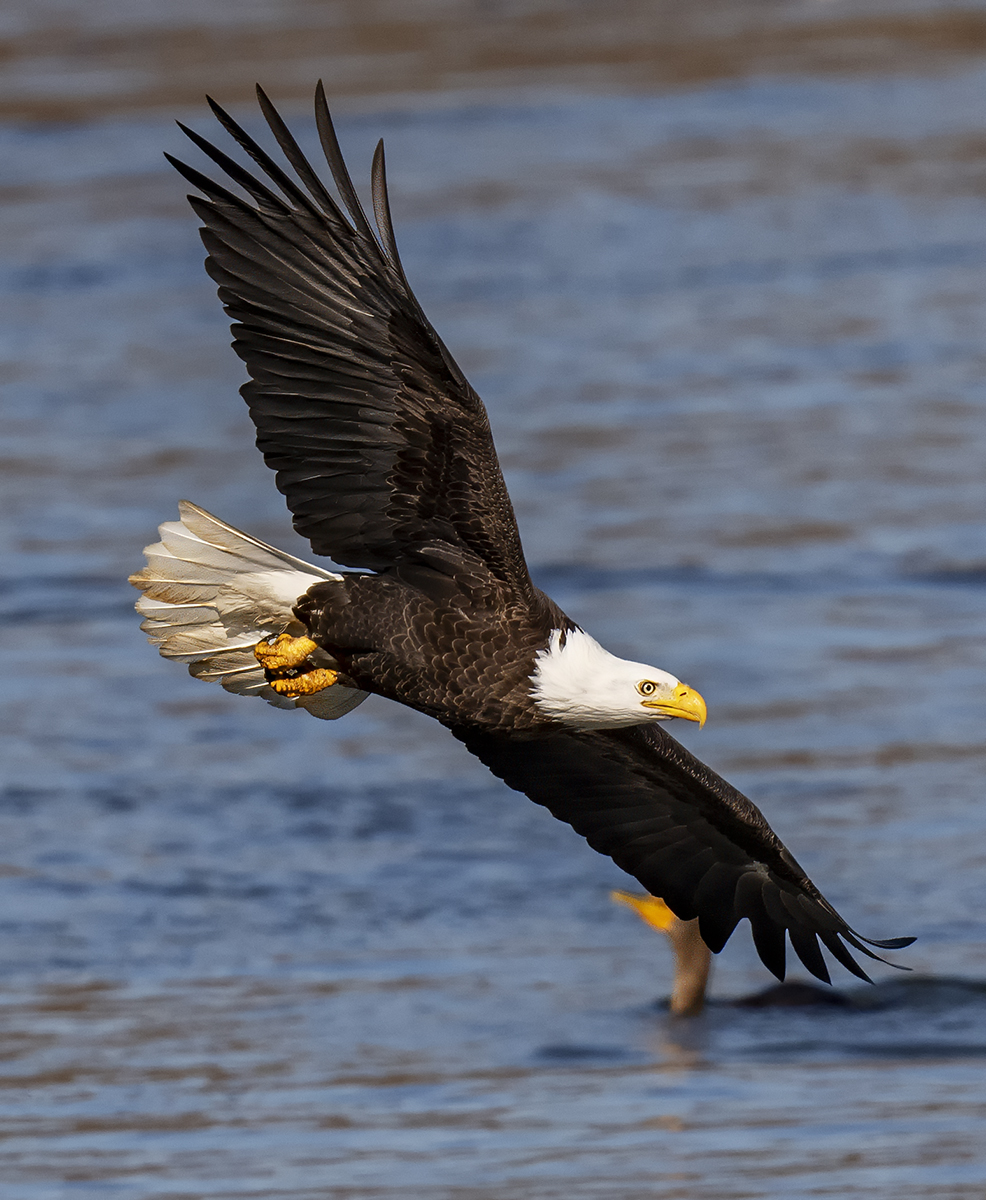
x=685, y=702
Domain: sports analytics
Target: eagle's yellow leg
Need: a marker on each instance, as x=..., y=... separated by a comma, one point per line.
x=305, y=685
x=284, y=653
x=283, y=662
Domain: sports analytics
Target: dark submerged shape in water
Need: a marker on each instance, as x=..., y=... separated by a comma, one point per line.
x=384, y=454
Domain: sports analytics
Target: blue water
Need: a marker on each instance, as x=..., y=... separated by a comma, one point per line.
x=731, y=341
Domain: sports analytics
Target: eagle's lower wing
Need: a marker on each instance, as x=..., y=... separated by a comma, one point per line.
x=379, y=443
x=683, y=832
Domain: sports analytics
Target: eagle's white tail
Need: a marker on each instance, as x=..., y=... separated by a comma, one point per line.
x=211, y=593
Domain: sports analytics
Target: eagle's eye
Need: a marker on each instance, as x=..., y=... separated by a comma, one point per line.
x=646, y=687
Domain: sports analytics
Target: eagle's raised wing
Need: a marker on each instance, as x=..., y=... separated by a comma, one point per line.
x=379, y=443
x=683, y=832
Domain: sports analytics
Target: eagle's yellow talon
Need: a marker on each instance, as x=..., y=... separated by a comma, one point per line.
x=284, y=653
x=305, y=685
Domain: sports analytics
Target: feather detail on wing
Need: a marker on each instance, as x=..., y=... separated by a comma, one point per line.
x=211, y=593
x=379, y=443
x=681, y=831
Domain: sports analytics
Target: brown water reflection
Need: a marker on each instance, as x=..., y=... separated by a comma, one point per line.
x=71, y=62
x=255, y=1101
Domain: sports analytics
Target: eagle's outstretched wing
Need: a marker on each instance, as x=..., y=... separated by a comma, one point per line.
x=688, y=836
x=379, y=443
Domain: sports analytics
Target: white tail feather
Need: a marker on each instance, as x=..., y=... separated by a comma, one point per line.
x=211, y=593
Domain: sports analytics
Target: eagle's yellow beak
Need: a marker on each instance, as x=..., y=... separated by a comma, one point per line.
x=685, y=702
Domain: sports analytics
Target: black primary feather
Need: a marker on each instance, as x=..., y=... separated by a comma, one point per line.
x=379, y=444
x=682, y=831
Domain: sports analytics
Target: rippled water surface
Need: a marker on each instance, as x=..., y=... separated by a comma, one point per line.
x=723, y=288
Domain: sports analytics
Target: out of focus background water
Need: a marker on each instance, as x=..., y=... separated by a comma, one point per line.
x=719, y=272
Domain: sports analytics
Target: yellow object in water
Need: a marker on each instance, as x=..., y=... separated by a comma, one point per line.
x=692, y=958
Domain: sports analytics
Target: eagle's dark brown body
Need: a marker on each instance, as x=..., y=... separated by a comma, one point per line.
x=383, y=452
x=456, y=646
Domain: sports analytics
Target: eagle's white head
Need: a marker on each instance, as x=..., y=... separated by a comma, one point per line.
x=578, y=683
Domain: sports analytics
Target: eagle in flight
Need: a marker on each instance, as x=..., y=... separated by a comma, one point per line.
x=384, y=454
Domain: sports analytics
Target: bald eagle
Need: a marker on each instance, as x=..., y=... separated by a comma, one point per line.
x=384, y=454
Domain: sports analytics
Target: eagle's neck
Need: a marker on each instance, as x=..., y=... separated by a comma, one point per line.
x=568, y=683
